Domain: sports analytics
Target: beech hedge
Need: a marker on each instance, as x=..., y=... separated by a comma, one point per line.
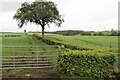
x=86, y=63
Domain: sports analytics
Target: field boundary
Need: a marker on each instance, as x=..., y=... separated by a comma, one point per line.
x=41, y=60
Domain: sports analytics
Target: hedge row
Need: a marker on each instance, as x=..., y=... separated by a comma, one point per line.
x=86, y=63
x=10, y=36
x=51, y=42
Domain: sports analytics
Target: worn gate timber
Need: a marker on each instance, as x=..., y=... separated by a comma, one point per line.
x=18, y=57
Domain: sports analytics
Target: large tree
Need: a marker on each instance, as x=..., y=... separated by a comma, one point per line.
x=41, y=13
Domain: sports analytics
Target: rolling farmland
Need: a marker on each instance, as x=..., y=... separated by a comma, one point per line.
x=28, y=52
x=23, y=40
x=96, y=43
x=92, y=42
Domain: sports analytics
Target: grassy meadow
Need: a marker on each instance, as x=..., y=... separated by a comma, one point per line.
x=92, y=42
x=29, y=44
x=26, y=45
x=77, y=40
x=28, y=40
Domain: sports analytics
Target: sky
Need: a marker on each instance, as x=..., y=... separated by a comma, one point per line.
x=87, y=15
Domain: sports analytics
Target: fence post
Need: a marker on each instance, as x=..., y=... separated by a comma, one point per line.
x=37, y=56
x=13, y=56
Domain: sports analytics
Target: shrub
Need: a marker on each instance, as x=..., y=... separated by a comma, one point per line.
x=85, y=63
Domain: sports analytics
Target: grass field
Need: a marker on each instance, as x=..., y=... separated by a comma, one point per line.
x=93, y=42
x=77, y=40
x=104, y=41
x=28, y=46
x=24, y=41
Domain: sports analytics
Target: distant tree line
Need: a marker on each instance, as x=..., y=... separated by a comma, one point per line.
x=87, y=33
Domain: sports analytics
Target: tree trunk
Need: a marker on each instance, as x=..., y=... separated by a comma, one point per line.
x=43, y=31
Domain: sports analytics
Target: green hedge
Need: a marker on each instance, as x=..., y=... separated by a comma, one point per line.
x=11, y=35
x=85, y=63
x=51, y=42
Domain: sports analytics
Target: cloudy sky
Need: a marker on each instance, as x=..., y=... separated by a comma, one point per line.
x=88, y=15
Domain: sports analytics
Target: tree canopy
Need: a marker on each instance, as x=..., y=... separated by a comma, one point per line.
x=41, y=13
